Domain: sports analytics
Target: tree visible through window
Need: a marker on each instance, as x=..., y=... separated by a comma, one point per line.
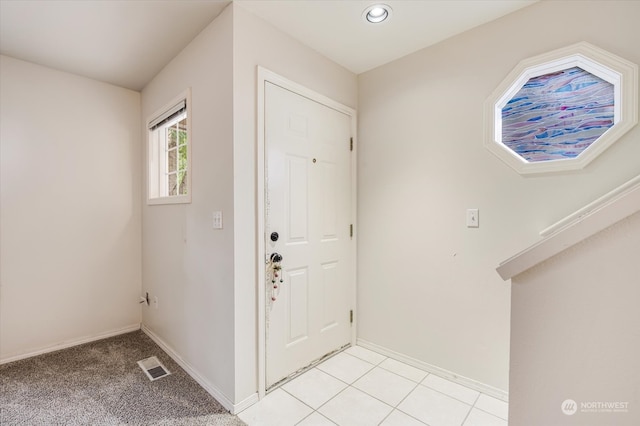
x=169, y=154
x=176, y=151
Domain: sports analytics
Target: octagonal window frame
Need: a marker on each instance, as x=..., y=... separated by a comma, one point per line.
x=622, y=74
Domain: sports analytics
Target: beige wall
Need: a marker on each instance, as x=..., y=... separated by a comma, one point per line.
x=206, y=279
x=186, y=263
x=575, y=332
x=427, y=285
x=69, y=209
x=256, y=42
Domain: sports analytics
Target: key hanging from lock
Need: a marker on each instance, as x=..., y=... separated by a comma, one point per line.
x=274, y=272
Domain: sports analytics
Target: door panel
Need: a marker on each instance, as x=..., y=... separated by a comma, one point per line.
x=296, y=199
x=297, y=304
x=328, y=207
x=308, y=202
x=330, y=292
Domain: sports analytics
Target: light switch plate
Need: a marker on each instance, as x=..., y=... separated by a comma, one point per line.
x=473, y=221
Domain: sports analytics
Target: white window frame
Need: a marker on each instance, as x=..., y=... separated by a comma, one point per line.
x=622, y=74
x=156, y=155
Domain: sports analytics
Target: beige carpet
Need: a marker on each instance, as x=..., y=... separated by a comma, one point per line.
x=100, y=383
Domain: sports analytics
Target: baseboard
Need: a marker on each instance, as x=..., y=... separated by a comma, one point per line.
x=441, y=372
x=71, y=343
x=191, y=371
x=246, y=403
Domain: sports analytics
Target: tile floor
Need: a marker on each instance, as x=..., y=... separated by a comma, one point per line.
x=361, y=387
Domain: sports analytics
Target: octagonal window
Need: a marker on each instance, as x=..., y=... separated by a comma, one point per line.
x=557, y=115
x=560, y=110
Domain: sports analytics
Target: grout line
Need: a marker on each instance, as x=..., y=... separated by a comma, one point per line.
x=333, y=397
x=491, y=414
x=285, y=391
x=374, y=397
x=488, y=412
x=393, y=408
x=386, y=417
x=414, y=418
x=337, y=378
x=467, y=416
x=325, y=417
x=305, y=417
x=368, y=350
x=450, y=396
x=407, y=395
x=371, y=396
x=309, y=367
x=440, y=372
x=320, y=414
x=384, y=402
x=400, y=362
x=358, y=378
x=447, y=395
x=477, y=398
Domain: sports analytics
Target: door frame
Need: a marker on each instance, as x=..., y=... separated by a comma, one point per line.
x=264, y=76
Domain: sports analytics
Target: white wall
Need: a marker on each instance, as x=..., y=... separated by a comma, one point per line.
x=206, y=279
x=574, y=333
x=427, y=284
x=256, y=42
x=69, y=209
x=186, y=263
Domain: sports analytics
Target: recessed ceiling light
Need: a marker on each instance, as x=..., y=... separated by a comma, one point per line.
x=377, y=13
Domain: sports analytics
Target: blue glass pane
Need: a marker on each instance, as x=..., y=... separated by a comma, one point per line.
x=558, y=115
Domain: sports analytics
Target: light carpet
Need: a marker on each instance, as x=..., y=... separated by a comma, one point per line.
x=100, y=383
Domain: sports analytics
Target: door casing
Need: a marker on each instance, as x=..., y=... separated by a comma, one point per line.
x=265, y=75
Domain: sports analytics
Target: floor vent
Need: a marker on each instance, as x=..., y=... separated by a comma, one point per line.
x=153, y=368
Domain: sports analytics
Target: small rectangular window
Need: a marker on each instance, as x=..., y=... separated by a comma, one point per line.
x=170, y=153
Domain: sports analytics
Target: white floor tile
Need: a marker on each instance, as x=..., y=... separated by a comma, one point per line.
x=276, y=409
x=420, y=398
x=345, y=367
x=315, y=387
x=480, y=418
x=452, y=389
x=385, y=385
x=434, y=408
x=366, y=355
x=316, y=419
x=398, y=418
x=352, y=407
x=403, y=370
x=493, y=406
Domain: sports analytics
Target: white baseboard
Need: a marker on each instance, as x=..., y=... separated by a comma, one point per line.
x=441, y=372
x=214, y=391
x=70, y=343
x=246, y=403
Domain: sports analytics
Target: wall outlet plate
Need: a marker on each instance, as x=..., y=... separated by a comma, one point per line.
x=217, y=220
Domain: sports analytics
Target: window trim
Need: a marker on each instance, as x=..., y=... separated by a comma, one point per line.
x=622, y=74
x=152, y=150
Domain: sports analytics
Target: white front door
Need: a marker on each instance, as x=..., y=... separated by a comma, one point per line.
x=308, y=204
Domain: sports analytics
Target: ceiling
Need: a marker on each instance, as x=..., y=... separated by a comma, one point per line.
x=127, y=42
x=122, y=42
x=337, y=29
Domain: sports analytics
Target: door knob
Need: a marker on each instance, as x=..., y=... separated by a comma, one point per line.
x=275, y=258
